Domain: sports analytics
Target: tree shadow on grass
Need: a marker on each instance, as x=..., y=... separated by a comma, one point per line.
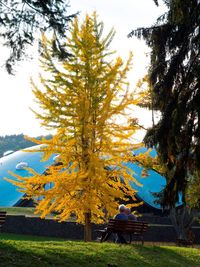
x=78, y=254
x=41, y=254
x=168, y=256
x=24, y=237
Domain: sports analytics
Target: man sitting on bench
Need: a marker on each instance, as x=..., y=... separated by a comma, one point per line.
x=122, y=215
x=105, y=234
x=130, y=215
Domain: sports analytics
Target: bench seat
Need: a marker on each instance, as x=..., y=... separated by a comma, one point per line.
x=132, y=228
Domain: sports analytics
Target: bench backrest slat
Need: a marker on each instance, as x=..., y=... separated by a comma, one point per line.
x=127, y=226
x=2, y=217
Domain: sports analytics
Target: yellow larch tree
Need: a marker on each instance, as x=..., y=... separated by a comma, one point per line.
x=86, y=100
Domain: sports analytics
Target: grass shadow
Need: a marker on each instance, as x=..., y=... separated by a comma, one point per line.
x=40, y=251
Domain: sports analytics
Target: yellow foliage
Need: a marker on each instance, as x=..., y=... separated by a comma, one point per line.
x=83, y=97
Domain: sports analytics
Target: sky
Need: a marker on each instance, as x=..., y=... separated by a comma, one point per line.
x=16, y=93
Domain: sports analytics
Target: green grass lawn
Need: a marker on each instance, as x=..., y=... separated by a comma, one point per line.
x=30, y=251
x=26, y=211
x=18, y=211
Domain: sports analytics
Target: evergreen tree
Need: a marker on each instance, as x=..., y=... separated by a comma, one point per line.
x=16, y=142
x=21, y=21
x=84, y=99
x=175, y=78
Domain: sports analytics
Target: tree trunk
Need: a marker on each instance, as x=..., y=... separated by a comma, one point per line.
x=88, y=227
x=181, y=219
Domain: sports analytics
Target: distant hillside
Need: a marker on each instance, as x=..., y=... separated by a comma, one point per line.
x=15, y=142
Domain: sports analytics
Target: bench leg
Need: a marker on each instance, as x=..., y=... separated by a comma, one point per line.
x=130, y=238
x=142, y=239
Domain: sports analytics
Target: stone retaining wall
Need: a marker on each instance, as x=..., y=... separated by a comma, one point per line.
x=47, y=227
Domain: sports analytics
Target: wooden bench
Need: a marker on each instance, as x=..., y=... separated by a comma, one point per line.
x=132, y=228
x=2, y=219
